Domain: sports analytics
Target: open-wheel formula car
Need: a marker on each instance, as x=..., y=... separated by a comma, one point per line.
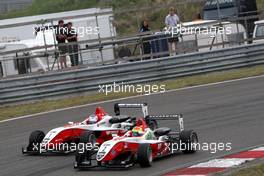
x=64, y=139
x=140, y=145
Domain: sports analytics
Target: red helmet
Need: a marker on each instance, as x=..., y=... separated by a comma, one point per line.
x=100, y=112
x=141, y=122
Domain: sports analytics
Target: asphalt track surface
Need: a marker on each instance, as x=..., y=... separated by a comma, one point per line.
x=228, y=112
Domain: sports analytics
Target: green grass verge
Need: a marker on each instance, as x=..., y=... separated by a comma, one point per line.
x=26, y=109
x=257, y=170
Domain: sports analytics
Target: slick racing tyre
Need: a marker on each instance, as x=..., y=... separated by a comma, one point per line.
x=81, y=155
x=35, y=139
x=188, y=139
x=144, y=155
x=153, y=125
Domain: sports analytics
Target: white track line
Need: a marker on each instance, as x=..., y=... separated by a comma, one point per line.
x=184, y=175
x=187, y=175
x=137, y=96
x=258, y=149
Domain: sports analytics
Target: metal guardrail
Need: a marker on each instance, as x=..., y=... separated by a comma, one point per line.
x=50, y=85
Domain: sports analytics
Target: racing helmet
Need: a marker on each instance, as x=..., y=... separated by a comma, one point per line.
x=100, y=113
x=92, y=119
x=137, y=131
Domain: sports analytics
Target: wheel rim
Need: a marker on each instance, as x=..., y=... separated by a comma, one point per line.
x=150, y=158
x=194, y=141
x=92, y=139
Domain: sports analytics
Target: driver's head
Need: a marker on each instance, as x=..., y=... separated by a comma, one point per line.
x=137, y=131
x=172, y=11
x=100, y=112
x=92, y=119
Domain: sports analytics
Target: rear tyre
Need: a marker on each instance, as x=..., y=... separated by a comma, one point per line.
x=35, y=139
x=188, y=139
x=144, y=155
x=87, y=137
x=153, y=125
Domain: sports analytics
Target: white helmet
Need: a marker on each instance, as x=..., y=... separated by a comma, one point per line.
x=92, y=119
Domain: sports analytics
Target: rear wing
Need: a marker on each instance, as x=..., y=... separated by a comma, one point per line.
x=178, y=117
x=142, y=106
x=149, y=118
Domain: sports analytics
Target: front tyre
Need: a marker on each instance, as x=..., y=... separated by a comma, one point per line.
x=188, y=140
x=81, y=155
x=144, y=155
x=35, y=139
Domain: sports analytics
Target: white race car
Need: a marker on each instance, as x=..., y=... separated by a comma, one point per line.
x=140, y=145
x=64, y=139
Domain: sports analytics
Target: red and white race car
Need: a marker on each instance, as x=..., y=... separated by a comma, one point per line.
x=64, y=139
x=140, y=145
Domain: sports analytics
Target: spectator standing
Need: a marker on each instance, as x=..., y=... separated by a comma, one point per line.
x=144, y=26
x=146, y=45
x=61, y=35
x=72, y=37
x=171, y=21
